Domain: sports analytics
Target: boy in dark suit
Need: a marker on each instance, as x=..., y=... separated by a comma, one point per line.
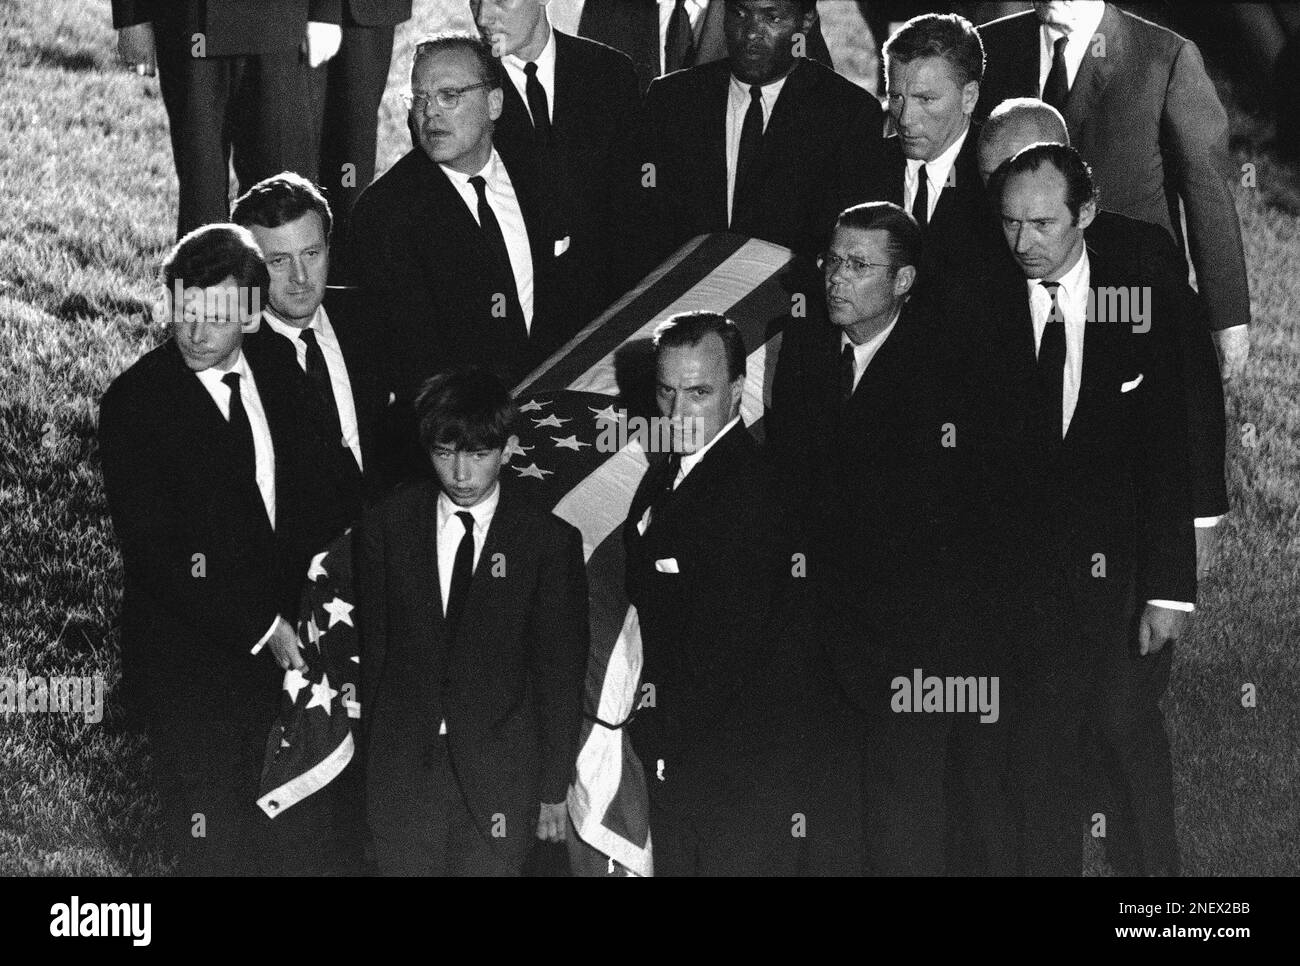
x=473, y=610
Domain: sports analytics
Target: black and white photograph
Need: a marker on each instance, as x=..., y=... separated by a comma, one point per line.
x=695, y=438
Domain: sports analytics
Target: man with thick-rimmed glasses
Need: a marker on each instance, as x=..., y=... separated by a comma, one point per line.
x=447, y=246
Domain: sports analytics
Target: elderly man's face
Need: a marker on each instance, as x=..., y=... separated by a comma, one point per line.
x=930, y=109
x=459, y=137
x=861, y=287
x=1044, y=238
x=209, y=324
x=507, y=24
x=694, y=391
x=760, y=37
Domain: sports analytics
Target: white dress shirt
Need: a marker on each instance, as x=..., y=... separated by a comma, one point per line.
x=1072, y=300
x=688, y=463
x=340, y=384
x=1076, y=46
x=737, y=106
x=504, y=203
x=545, y=62
x=863, y=354
x=694, y=9
x=263, y=450
x=450, y=530
x=936, y=175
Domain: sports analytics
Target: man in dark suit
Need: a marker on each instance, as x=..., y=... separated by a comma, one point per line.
x=449, y=245
x=212, y=483
x=673, y=34
x=1142, y=110
x=862, y=396
x=1133, y=834
x=763, y=143
x=473, y=610
x=346, y=93
x=231, y=74
x=570, y=105
x=933, y=66
x=704, y=562
x=1086, y=393
x=316, y=334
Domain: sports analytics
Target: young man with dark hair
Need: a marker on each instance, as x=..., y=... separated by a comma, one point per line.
x=213, y=485
x=473, y=621
x=317, y=336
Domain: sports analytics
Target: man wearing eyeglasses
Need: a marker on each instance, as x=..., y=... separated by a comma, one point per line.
x=448, y=245
x=860, y=395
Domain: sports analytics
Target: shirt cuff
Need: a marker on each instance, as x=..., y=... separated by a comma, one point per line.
x=265, y=637
x=1174, y=605
x=1203, y=523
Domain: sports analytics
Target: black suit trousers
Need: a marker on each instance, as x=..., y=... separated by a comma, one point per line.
x=346, y=93
x=255, y=106
x=458, y=847
x=1130, y=775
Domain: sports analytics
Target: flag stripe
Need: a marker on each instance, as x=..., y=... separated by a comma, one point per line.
x=690, y=265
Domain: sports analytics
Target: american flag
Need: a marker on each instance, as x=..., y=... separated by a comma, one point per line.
x=571, y=409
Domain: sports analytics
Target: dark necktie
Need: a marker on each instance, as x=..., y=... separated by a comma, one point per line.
x=240, y=428
x=672, y=466
x=751, y=142
x=679, y=43
x=1057, y=89
x=1050, y=376
x=921, y=203
x=496, y=244
x=538, y=108
x=848, y=365
x=318, y=374
x=461, y=573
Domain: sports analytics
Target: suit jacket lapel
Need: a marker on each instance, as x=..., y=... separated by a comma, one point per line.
x=501, y=534
x=1095, y=72
x=713, y=139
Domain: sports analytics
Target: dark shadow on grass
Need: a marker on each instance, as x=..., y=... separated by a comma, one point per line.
x=62, y=58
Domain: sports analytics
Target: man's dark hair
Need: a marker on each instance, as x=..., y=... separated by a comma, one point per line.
x=213, y=253
x=688, y=328
x=280, y=199
x=805, y=6
x=466, y=409
x=489, y=68
x=1079, y=186
x=947, y=35
x=904, y=244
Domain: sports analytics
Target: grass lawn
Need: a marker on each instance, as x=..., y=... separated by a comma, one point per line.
x=89, y=195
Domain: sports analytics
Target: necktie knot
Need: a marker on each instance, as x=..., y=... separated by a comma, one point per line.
x=231, y=379
x=308, y=336
x=530, y=68
x=480, y=186
x=848, y=371
x=756, y=94
x=467, y=519
x=1058, y=46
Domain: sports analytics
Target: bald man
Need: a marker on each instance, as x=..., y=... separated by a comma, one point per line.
x=1134, y=848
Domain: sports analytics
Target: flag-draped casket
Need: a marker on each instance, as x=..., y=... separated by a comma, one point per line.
x=582, y=447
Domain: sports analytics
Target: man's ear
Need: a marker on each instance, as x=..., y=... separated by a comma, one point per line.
x=904, y=279
x=496, y=101
x=737, y=394
x=970, y=96
x=1087, y=212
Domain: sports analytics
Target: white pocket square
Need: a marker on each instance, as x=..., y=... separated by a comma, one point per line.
x=561, y=246
x=1131, y=384
x=667, y=566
